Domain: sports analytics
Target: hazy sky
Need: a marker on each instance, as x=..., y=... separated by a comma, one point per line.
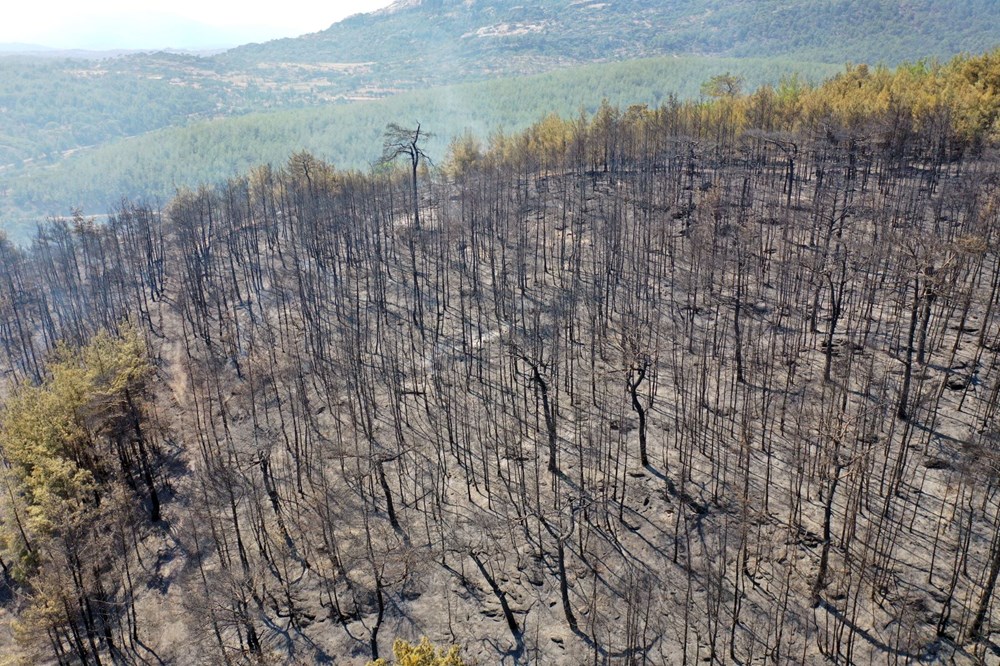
x=169, y=23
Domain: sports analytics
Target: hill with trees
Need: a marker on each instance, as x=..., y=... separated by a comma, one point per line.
x=707, y=381
x=434, y=41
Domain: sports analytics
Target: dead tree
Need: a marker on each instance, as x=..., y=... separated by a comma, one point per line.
x=399, y=141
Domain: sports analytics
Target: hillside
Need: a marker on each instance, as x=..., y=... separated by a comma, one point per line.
x=700, y=383
x=429, y=41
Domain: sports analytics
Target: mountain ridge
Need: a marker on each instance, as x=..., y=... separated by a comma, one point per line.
x=446, y=34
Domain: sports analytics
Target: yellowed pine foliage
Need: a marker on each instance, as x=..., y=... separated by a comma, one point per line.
x=423, y=653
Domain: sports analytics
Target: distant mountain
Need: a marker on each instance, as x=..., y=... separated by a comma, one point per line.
x=431, y=40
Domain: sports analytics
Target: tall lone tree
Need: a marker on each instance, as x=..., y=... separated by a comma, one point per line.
x=399, y=141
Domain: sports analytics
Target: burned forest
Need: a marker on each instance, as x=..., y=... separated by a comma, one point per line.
x=661, y=386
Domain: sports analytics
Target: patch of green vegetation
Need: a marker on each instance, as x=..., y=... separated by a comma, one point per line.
x=50, y=106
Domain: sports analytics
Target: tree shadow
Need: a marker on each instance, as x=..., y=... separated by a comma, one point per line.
x=700, y=509
x=872, y=640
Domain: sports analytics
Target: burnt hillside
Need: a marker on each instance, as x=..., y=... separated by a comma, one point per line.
x=658, y=391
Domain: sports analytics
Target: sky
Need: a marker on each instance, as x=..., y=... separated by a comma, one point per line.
x=155, y=24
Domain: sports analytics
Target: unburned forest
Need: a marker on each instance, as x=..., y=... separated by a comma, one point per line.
x=713, y=382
